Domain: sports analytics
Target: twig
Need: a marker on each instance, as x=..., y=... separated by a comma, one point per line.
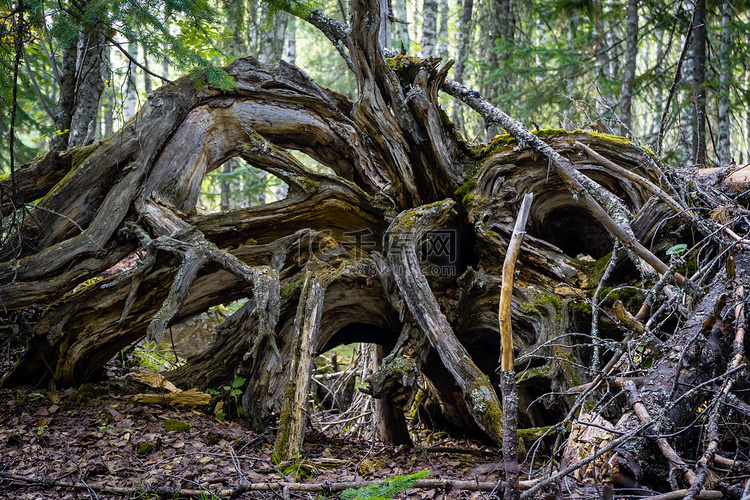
x=643, y=415
x=673, y=88
x=135, y=61
x=712, y=428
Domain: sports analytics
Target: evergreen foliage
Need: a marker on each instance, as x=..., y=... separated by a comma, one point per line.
x=385, y=490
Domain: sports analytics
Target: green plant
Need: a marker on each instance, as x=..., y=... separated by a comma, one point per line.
x=175, y=425
x=387, y=489
x=152, y=358
x=235, y=392
x=677, y=249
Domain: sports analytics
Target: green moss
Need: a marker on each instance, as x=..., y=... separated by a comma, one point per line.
x=528, y=309
x=282, y=437
x=534, y=433
x=499, y=143
x=144, y=448
x=567, y=362
x=409, y=217
x=581, y=308
x=537, y=372
x=402, y=61
x=611, y=138
x=84, y=393
x=175, y=425
x=211, y=439
x=549, y=298
x=551, y=132
x=287, y=290
x=82, y=153
x=462, y=193
x=629, y=296
x=86, y=284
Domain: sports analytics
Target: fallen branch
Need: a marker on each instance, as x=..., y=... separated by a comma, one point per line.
x=507, y=374
x=594, y=197
x=168, y=491
x=667, y=450
x=712, y=428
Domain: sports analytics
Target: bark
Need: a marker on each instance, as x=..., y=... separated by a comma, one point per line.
x=130, y=101
x=443, y=33
x=464, y=38
x=293, y=417
x=400, y=26
x=407, y=237
x=699, y=82
x=290, y=51
x=429, y=28
x=723, y=145
x=66, y=102
x=628, y=79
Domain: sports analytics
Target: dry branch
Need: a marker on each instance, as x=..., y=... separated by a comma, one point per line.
x=603, y=204
x=445, y=484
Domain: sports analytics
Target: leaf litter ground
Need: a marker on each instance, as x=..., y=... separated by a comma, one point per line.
x=97, y=435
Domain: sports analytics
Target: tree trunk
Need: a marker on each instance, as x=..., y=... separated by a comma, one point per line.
x=429, y=27
x=443, y=32
x=628, y=79
x=464, y=38
x=130, y=101
x=699, y=82
x=725, y=61
x=400, y=27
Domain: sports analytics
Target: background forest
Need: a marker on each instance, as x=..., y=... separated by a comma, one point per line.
x=75, y=72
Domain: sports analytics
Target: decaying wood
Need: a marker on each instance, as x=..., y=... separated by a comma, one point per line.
x=445, y=484
x=402, y=237
x=507, y=374
x=401, y=174
x=291, y=432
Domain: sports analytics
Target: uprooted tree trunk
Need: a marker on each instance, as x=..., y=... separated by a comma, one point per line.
x=407, y=240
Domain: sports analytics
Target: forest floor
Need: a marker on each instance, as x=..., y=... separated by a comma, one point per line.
x=97, y=442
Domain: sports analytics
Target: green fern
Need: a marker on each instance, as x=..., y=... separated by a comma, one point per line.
x=385, y=490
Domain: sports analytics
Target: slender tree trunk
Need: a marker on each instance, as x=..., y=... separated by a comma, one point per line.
x=146, y=77
x=272, y=39
x=66, y=101
x=658, y=98
x=130, y=102
x=290, y=54
x=602, y=59
x=699, y=82
x=723, y=146
x=687, y=108
x=429, y=26
x=465, y=30
x=225, y=187
x=567, y=110
x=109, y=95
x=90, y=86
x=400, y=26
x=443, y=35
x=631, y=53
